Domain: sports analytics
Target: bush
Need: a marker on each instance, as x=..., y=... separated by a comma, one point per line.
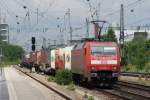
x=51, y=79
x=63, y=77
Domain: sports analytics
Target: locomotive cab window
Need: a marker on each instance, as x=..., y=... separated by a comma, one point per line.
x=103, y=50
x=109, y=51
x=97, y=50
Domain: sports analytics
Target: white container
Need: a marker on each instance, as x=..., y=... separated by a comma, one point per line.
x=53, y=58
x=62, y=54
x=68, y=57
x=38, y=57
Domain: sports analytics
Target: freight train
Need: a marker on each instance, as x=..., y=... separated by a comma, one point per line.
x=94, y=62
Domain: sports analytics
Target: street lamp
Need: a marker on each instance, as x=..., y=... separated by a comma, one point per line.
x=28, y=15
x=18, y=23
x=24, y=7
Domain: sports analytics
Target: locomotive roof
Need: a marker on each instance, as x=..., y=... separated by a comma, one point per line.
x=81, y=45
x=103, y=43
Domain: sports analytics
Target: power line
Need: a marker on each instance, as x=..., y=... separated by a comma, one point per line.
x=22, y=4
x=10, y=13
x=31, y=11
x=50, y=4
x=43, y=14
x=125, y=7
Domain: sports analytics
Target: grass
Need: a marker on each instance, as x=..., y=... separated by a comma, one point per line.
x=132, y=68
x=90, y=98
x=71, y=87
x=51, y=79
x=145, y=69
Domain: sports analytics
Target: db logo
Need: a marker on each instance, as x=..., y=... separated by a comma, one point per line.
x=68, y=58
x=104, y=62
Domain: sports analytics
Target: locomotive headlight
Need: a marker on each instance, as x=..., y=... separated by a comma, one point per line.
x=93, y=68
x=115, y=68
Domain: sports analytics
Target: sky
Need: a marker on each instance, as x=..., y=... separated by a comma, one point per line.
x=53, y=13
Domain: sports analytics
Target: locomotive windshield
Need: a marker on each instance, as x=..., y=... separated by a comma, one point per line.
x=103, y=50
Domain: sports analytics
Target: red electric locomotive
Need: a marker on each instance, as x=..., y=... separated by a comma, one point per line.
x=97, y=62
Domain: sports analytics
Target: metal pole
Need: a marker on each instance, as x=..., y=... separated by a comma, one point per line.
x=1, y=60
x=70, y=28
x=0, y=16
x=28, y=14
x=1, y=66
x=121, y=40
x=61, y=36
x=37, y=15
x=87, y=23
x=44, y=42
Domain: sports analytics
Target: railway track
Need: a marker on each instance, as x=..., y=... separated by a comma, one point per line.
x=134, y=74
x=47, y=86
x=129, y=91
x=123, y=91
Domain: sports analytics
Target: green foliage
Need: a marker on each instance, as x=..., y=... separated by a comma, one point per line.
x=125, y=68
x=71, y=87
x=110, y=36
x=63, y=77
x=148, y=47
x=51, y=79
x=11, y=53
x=90, y=98
x=147, y=68
x=136, y=53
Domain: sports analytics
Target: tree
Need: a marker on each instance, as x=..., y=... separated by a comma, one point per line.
x=148, y=47
x=0, y=37
x=110, y=36
x=11, y=53
x=137, y=52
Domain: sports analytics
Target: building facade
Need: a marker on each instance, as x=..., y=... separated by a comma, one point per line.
x=4, y=32
x=130, y=34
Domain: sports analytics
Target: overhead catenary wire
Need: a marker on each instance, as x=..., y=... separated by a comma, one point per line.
x=125, y=7
x=7, y=9
x=44, y=18
x=44, y=13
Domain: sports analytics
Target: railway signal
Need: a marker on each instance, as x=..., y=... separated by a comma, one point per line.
x=33, y=43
